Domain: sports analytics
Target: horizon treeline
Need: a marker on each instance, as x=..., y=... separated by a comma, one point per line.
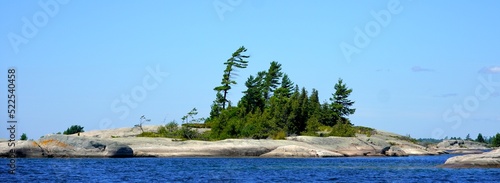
x=273, y=106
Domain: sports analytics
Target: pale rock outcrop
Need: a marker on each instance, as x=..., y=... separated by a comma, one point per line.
x=394, y=151
x=20, y=149
x=67, y=146
x=485, y=160
x=462, y=147
x=299, y=151
x=123, y=142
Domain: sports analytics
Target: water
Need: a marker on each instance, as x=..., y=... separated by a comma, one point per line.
x=358, y=169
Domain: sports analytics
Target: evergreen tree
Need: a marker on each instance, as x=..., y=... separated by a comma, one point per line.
x=73, y=129
x=24, y=137
x=272, y=79
x=237, y=60
x=286, y=88
x=341, y=105
x=328, y=116
x=314, y=114
x=314, y=105
x=495, y=140
x=293, y=123
x=253, y=98
x=216, y=107
x=468, y=137
x=304, y=110
x=480, y=138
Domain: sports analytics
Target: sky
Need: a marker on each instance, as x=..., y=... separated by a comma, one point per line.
x=428, y=69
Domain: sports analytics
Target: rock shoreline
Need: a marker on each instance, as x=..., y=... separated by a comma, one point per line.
x=123, y=142
x=485, y=160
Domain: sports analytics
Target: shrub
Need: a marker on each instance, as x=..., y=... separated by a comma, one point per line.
x=188, y=133
x=195, y=125
x=281, y=135
x=406, y=138
x=342, y=130
x=148, y=134
x=364, y=130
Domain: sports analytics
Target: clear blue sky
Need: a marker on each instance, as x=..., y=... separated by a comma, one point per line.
x=424, y=68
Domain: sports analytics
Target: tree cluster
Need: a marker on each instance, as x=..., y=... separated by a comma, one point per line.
x=273, y=106
x=73, y=129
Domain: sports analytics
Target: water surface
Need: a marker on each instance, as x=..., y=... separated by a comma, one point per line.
x=357, y=169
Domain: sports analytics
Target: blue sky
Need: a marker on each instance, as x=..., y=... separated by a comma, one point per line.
x=424, y=68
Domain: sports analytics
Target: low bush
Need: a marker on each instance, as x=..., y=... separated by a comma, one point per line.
x=343, y=130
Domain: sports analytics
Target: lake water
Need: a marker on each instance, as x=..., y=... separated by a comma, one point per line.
x=357, y=169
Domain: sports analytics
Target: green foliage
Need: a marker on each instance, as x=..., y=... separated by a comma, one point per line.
x=279, y=135
x=426, y=142
x=272, y=79
x=312, y=126
x=364, y=130
x=149, y=134
x=468, y=137
x=274, y=107
x=237, y=60
x=406, y=138
x=187, y=133
x=495, y=140
x=24, y=137
x=196, y=125
x=480, y=138
x=73, y=129
x=343, y=130
x=340, y=104
x=253, y=99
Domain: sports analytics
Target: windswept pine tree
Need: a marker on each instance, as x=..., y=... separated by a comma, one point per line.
x=237, y=60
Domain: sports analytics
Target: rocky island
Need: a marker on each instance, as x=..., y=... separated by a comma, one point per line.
x=123, y=142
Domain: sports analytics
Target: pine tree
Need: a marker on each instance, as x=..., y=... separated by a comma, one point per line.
x=468, y=137
x=480, y=138
x=495, y=140
x=341, y=105
x=286, y=88
x=272, y=79
x=216, y=106
x=253, y=99
x=236, y=61
x=293, y=119
x=314, y=104
x=304, y=110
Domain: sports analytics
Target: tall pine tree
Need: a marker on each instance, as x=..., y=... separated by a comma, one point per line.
x=237, y=60
x=272, y=79
x=341, y=105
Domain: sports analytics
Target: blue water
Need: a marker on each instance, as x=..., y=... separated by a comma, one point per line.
x=358, y=169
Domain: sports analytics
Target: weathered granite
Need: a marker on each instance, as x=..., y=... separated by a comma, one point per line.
x=67, y=146
x=485, y=160
x=104, y=143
